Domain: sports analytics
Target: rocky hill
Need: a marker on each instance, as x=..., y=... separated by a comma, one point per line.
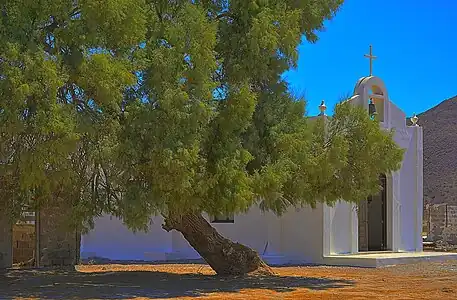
x=440, y=152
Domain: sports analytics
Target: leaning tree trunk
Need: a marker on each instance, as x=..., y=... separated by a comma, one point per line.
x=223, y=255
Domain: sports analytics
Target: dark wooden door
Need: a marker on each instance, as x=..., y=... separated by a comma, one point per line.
x=363, y=225
x=373, y=220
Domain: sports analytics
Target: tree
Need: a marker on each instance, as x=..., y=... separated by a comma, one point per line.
x=218, y=130
x=64, y=71
x=178, y=108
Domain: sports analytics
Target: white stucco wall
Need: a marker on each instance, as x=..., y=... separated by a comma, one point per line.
x=302, y=232
x=412, y=193
x=407, y=199
x=341, y=228
x=249, y=229
x=410, y=182
x=294, y=237
x=404, y=187
x=112, y=239
x=303, y=235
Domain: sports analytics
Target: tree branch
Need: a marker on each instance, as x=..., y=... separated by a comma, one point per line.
x=223, y=15
x=167, y=225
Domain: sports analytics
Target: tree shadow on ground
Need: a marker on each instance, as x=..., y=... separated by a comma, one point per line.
x=60, y=284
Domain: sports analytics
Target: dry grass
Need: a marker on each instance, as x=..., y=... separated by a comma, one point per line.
x=190, y=281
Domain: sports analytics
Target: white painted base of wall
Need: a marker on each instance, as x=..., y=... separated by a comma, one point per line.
x=279, y=260
x=366, y=260
x=153, y=257
x=147, y=256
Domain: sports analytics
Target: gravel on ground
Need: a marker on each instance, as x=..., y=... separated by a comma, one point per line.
x=190, y=281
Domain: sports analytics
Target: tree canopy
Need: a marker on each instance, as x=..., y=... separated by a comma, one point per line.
x=143, y=107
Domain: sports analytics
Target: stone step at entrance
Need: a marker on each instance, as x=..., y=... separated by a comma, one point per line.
x=382, y=259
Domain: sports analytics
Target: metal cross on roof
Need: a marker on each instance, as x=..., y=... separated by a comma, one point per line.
x=371, y=57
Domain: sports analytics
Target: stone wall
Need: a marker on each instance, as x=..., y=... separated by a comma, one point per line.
x=24, y=245
x=58, y=244
x=6, y=240
x=440, y=223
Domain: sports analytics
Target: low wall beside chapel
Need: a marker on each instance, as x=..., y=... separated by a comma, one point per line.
x=6, y=236
x=58, y=243
x=440, y=223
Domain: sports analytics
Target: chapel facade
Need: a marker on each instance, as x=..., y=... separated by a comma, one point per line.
x=385, y=228
x=389, y=222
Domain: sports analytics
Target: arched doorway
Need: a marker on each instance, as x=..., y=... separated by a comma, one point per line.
x=372, y=215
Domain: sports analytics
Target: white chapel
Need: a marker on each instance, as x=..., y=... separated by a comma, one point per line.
x=384, y=229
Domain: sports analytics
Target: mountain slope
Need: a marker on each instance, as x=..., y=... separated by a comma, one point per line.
x=440, y=152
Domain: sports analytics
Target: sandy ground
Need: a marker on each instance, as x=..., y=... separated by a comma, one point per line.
x=191, y=281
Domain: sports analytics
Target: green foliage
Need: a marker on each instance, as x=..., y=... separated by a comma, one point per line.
x=338, y=158
x=142, y=107
x=60, y=101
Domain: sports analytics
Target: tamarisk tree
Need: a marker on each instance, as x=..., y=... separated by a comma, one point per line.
x=214, y=129
x=64, y=74
x=178, y=108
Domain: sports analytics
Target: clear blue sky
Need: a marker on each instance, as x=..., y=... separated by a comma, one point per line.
x=415, y=42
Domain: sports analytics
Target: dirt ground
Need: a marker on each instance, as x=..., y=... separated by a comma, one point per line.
x=191, y=281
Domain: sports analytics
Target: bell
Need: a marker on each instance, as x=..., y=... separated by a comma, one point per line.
x=372, y=109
